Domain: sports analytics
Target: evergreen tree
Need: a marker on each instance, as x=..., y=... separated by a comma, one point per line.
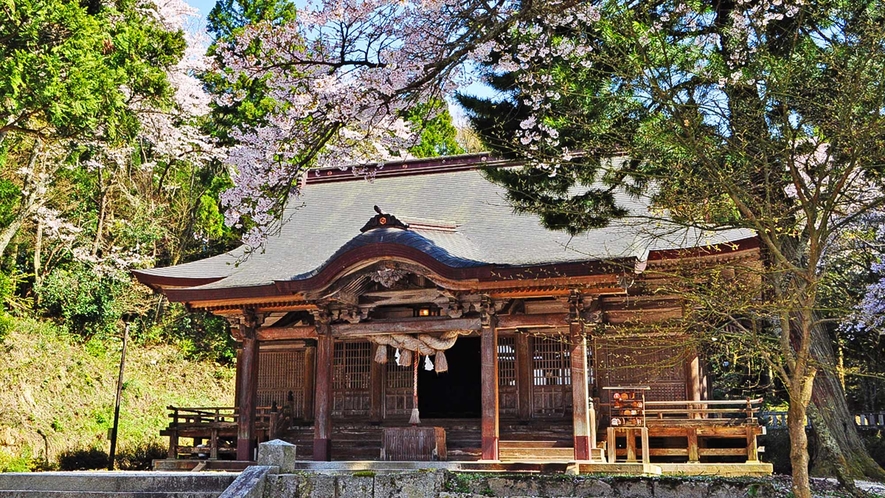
x=757, y=115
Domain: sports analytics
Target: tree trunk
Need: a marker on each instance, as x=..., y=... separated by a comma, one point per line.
x=29, y=205
x=798, y=447
x=836, y=432
x=38, y=249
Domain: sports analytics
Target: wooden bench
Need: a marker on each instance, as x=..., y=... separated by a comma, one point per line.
x=218, y=427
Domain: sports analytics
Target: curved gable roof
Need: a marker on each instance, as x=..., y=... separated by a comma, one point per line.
x=480, y=230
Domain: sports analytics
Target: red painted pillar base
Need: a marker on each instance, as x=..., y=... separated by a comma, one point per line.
x=490, y=448
x=582, y=447
x=322, y=450
x=245, y=450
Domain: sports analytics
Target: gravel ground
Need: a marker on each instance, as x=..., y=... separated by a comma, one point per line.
x=829, y=487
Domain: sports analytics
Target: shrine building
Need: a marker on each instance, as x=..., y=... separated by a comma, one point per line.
x=424, y=286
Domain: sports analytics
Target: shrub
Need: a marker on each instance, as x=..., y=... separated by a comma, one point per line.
x=80, y=459
x=141, y=456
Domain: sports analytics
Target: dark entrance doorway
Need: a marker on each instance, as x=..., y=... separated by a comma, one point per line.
x=458, y=392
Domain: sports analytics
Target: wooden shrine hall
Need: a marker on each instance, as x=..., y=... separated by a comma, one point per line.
x=423, y=286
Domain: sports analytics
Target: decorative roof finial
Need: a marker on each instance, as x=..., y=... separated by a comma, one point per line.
x=383, y=220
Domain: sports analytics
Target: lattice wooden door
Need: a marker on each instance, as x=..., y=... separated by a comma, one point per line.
x=351, y=378
x=551, y=376
x=280, y=373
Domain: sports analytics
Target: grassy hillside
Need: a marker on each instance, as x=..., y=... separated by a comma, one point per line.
x=57, y=393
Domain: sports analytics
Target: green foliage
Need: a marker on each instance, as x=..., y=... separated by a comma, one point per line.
x=198, y=335
x=13, y=463
x=66, y=65
x=10, y=194
x=86, y=301
x=437, y=132
x=225, y=21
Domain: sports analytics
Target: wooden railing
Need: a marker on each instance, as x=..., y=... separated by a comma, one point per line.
x=707, y=409
x=687, y=429
x=217, y=425
x=870, y=420
x=778, y=420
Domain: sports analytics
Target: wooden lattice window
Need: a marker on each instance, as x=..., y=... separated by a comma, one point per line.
x=657, y=362
x=398, y=377
x=351, y=378
x=506, y=361
x=507, y=390
x=398, y=392
x=352, y=365
x=281, y=373
x=551, y=365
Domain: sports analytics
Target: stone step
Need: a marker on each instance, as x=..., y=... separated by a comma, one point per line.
x=17, y=493
x=177, y=484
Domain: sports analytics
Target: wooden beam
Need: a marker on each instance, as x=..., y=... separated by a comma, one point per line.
x=390, y=298
x=489, y=360
x=528, y=321
x=322, y=439
x=377, y=327
x=285, y=333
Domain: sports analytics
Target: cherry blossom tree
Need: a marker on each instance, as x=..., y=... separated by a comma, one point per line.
x=342, y=75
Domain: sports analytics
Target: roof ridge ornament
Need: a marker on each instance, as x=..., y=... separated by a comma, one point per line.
x=383, y=220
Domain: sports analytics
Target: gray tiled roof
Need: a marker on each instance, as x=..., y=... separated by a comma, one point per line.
x=327, y=218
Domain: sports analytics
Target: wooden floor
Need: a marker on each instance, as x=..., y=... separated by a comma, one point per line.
x=567, y=467
x=536, y=446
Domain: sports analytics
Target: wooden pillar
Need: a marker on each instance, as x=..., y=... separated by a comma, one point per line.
x=322, y=436
x=376, y=383
x=524, y=376
x=247, y=388
x=310, y=364
x=489, y=360
x=583, y=416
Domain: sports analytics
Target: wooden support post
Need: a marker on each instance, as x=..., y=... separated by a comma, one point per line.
x=322, y=438
x=752, y=448
x=584, y=431
x=524, y=376
x=173, y=445
x=376, y=383
x=247, y=377
x=213, y=445
x=489, y=360
x=310, y=365
x=693, y=377
x=692, y=436
x=630, y=434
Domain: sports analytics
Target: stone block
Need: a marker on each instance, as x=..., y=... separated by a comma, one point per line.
x=277, y=453
x=355, y=486
x=594, y=488
x=419, y=484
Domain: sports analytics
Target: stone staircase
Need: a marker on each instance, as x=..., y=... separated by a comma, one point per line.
x=363, y=441
x=115, y=484
x=537, y=441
